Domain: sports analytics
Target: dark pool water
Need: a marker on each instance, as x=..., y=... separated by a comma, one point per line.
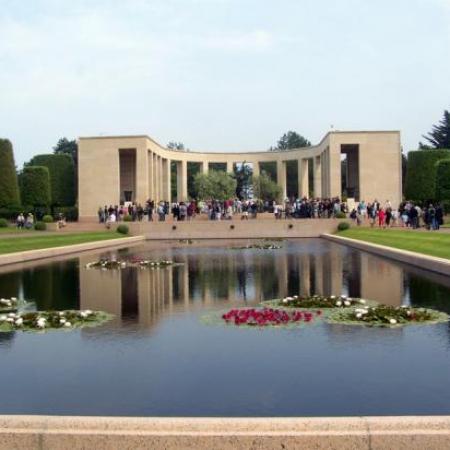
x=157, y=358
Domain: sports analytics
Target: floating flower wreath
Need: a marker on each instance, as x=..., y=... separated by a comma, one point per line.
x=317, y=301
x=117, y=264
x=258, y=247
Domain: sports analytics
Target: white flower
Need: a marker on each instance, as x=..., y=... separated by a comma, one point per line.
x=62, y=321
x=10, y=320
x=296, y=297
x=362, y=301
x=83, y=314
x=285, y=300
x=12, y=315
x=358, y=315
x=289, y=299
x=123, y=264
x=338, y=303
x=40, y=323
x=392, y=321
x=19, y=322
x=408, y=313
x=3, y=301
x=404, y=306
x=13, y=299
x=3, y=318
x=67, y=324
x=343, y=296
x=88, y=312
x=347, y=303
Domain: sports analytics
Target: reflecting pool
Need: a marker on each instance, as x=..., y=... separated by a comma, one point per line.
x=157, y=357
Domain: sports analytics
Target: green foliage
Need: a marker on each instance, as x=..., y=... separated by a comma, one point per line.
x=3, y=223
x=66, y=147
x=172, y=145
x=243, y=175
x=35, y=186
x=443, y=179
x=127, y=218
x=9, y=188
x=266, y=189
x=291, y=140
x=10, y=213
x=421, y=174
x=62, y=177
x=340, y=215
x=215, y=185
x=193, y=169
x=123, y=229
x=40, y=226
x=446, y=206
x=343, y=226
x=47, y=219
x=69, y=212
x=439, y=136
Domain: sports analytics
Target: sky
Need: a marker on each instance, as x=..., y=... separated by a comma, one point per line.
x=220, y=75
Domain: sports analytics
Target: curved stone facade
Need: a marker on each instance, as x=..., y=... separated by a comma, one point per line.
x=117, y=168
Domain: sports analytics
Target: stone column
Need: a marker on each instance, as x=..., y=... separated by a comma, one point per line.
x=229, y=167
x=305, y=274
x=182, y=181
x=167, y=191
x=256, y=169
x=318, y=272
x=317, y=176
x=161, y=178
x=303, y=180
x=204, y=166
x=141, y=181
x=150, y=175
x=155, y=178
x=281, y=177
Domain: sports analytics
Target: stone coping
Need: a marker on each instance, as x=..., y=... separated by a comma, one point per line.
x=31, y=255
x=57, y=432
x=433, y=263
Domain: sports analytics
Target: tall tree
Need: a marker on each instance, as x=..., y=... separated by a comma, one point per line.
x=65, y=146
x=291, y=140
x=266, y=189
x=215, y=185
x=35, y=186
x=439, y=136
x=172, y=145
x=243, y=175
x=9, y=188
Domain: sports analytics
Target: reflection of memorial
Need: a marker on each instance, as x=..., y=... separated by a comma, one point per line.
x=208, y=278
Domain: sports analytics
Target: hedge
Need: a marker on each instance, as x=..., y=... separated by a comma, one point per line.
x=62, y=177
x=35, y=186
x=421, y=174
x=9, y=188
x=443, y=179
x=69, y=212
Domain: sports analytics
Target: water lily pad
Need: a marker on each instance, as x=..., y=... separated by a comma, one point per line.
x=52, y=320
x=387, y=316
x=318, y=301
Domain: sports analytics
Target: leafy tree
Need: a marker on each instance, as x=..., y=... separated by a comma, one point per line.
x=266, y=189
x=243, y=175
x=9, y=188
x=172, y=145
x=439, y=136
x=291, y=140
x=64, y=146
x=215, y=185
x=62, y=177
x=443, y=179
x=193, y=169
x=35, y=186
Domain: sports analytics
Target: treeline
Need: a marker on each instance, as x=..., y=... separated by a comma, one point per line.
x=46, y=185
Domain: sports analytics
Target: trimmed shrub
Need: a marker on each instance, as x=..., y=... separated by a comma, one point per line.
x=47, y=219
x=343, y=226
x=443, y=179
x=40, y=226
x=123, y=229
x=341, y=215
x=127, y=218
x=9, y=188
x=69, y=212
x=35, y=186
x=420, y=184
x=62, y=177
x=3, y=223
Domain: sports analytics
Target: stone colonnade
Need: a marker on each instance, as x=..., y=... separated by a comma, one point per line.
x=136, y=168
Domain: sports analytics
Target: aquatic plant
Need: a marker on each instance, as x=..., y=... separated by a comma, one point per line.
x=107, y=264
x=52, y=320
x=258, y=247
x=386, y=316
x=262, y=317
x=318, y=301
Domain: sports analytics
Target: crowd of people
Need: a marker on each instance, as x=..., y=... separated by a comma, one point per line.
x=374, y=213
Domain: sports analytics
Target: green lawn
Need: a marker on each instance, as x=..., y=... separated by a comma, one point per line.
x=22, y=243
x=432, y=243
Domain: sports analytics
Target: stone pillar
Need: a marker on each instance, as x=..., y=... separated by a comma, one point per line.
x=281, y=177
x=256, y=169
x=161, y=178
x=317, y=176
x=150, y=174
x=182, y=181
x=303, y=179
x=318, y=273
x=204, y=166
x=167, y=191
x=141, y=181
x=229, y=167
x=155, y=178
x=305, y=275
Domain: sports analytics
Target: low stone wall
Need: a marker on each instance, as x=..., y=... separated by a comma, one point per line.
x=31, y=255
x=60, y=433
x=234, y=229
x=439, y=265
